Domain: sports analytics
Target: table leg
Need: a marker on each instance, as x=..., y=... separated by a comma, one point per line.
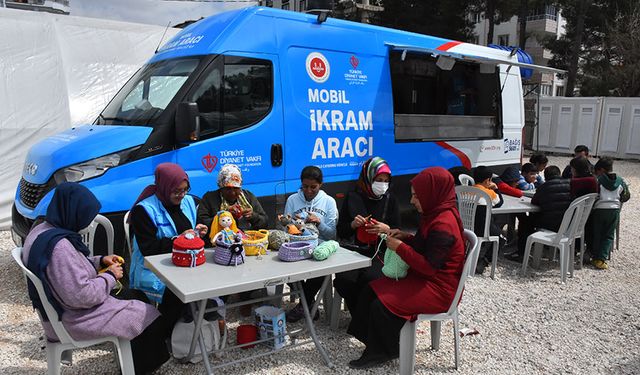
x=205, y=354
x=322, y=295
x=308, y=318
x=198, y=315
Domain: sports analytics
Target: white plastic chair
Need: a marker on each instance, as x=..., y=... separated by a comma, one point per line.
x=466, y=180
x=591, y=199
x=564, y=239
x=125, y=224
x=408, y=332
x=55, y=349
x=469, y=198
x=89, y=234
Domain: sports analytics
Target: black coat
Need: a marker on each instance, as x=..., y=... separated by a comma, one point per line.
x=553, y=197
x=210, y=205
x=356, y=203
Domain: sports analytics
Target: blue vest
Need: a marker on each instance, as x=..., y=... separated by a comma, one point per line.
x=140, y=277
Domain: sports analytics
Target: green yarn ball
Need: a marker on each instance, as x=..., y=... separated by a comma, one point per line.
x=325, y=249
x=277, y=238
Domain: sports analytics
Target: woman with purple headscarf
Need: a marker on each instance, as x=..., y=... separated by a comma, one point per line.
x=162, y=211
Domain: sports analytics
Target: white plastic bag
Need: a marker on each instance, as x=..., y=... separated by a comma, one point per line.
x=183, y=333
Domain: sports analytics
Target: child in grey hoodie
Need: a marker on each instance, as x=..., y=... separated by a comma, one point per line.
x=315, y=207
x=606, y=212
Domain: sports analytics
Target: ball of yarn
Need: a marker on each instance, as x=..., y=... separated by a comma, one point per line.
x=325, y=249
x=394, y=267
x=312, y=229
x=277, y=238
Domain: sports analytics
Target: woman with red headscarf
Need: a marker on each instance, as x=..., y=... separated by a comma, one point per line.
x=435, y=255
x=162, y=211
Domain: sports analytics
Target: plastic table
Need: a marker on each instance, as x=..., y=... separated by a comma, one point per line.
x=196, y=285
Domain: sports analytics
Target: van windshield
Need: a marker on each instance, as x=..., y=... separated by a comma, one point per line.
x=143, y=99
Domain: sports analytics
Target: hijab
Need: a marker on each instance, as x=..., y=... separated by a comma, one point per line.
x=168, y=176
x=436, y=193
x=370, y=169
x=72, y=208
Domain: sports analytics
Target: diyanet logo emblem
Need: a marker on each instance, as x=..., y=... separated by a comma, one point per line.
x=209, y=162
x=318, y=67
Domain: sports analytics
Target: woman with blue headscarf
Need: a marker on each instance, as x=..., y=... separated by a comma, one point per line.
x=83, y=298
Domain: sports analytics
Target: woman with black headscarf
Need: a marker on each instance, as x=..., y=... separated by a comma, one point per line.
x=366, y=211
x=83, y=298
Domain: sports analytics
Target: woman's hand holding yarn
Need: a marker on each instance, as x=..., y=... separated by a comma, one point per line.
x=247, y=213
x=201, y=229
x=397, y=233
x=393, y=243
x=376, y=227
x=358, y=221
x=313, y=219
x=116, y=270
x=108, y=260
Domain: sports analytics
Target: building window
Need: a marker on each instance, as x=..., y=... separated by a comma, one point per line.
x=503, y=39
x=475, y=39
x=285, y=5
x=545, y=90
x=560, y=91
x=475, y=17
x=303, y=5
x=549, y=12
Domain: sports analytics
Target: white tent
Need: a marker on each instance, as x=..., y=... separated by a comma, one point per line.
x=58, y=71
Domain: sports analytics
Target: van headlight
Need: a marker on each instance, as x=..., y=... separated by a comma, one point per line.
x=92, y=168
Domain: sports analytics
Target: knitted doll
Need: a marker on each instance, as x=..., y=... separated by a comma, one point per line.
x=224, y=228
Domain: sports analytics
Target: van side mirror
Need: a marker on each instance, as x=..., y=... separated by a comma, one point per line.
x=187, y=122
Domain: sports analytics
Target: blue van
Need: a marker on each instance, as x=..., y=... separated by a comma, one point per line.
x=273, y=91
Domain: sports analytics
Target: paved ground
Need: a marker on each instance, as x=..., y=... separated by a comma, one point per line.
x=531, y=325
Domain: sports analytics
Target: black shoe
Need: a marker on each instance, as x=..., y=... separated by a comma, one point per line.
x=297, y=313
x=482, y=264
x=514, y=257
x=368, y=361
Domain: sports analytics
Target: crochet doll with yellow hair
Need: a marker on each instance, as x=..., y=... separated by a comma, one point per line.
x=224, y=228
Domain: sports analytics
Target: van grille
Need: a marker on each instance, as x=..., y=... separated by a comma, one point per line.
x=31, y=194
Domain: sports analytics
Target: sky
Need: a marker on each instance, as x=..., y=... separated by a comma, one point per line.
x=154, y=12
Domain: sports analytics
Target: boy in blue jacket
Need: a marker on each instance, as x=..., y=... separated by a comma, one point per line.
x=316, y=207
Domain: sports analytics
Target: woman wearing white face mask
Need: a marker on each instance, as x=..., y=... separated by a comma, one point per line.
x=367, y=211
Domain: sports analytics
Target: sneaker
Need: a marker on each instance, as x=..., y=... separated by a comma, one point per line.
x=297, y=313
x=600, y=264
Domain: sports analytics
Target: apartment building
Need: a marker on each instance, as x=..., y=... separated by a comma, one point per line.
x=542, y=22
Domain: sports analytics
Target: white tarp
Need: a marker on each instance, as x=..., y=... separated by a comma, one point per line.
x=58, y=71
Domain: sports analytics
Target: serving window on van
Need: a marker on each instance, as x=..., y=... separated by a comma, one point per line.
x=444, y=99
x=234, y=93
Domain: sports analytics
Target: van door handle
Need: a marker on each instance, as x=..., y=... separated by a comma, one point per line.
x=276, y=154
